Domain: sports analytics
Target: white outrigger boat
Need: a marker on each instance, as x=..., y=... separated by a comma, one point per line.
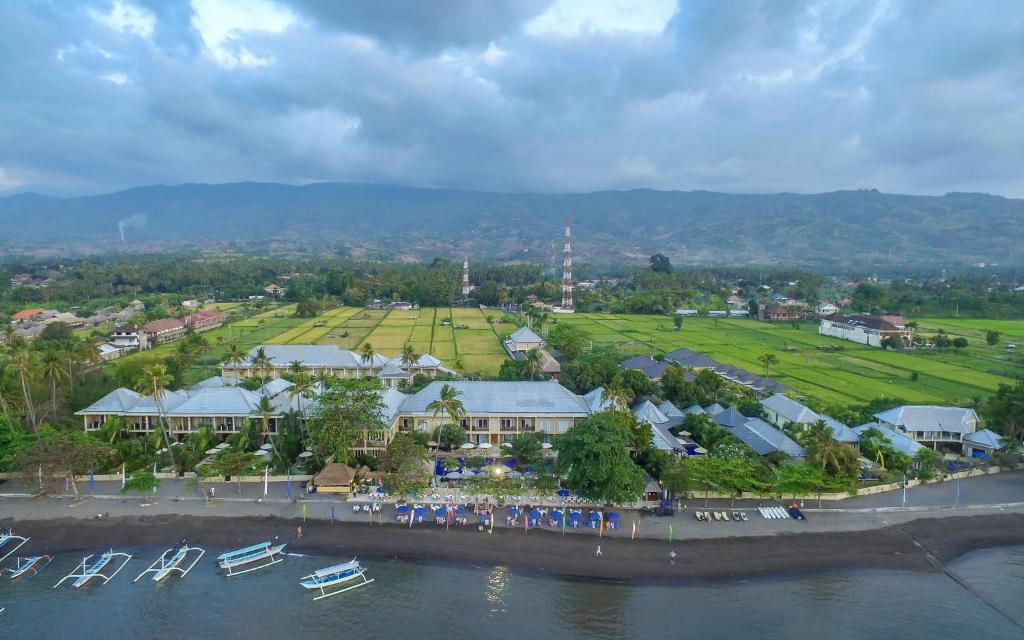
x=83, y=574
x=264, y=553
x=30, y=566
x=10, y=538
x=338, y=574
x=164, y=565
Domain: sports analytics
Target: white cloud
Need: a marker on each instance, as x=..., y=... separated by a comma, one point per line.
x=568, y=18
x=126, y=18
x=224, y=24
x=8, y=181
x=115, y=78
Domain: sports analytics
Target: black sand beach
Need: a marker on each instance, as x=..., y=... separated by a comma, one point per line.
x=918, y=545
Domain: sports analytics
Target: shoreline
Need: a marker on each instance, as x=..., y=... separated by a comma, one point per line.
x=922, y=545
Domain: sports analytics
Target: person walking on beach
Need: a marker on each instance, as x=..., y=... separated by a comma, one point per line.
x=597, y=554
x=298, y=530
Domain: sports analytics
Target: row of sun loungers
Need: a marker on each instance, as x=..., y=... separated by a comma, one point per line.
x=781, y=513
x=721, y=516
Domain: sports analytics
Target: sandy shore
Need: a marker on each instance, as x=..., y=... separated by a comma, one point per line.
x=918, y=545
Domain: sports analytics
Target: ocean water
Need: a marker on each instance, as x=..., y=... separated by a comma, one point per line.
x=438, y=601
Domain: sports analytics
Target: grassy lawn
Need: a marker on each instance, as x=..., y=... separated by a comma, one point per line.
x=854, y=375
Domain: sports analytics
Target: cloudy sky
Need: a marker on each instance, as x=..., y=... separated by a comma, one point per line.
x=913, y=96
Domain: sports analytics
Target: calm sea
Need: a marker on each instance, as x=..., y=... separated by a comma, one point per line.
x=429, y=601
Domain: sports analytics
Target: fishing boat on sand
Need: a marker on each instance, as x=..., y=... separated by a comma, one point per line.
x=30, y=566
x=13, y=540
x=85, y=572
x=164, y=566
x=237, y=562
x=334, y=576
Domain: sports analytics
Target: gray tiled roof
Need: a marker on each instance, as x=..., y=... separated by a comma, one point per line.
x=900, y=442
x=275, y=386
x=930, y=418
x=671, y=410
x=693, y=408
x=147, y=405
x=227, y=401
x=503, y=397
x=731, y=418
x=596, y=401
x=117, y=401
x=789, y=409
x=524, y=334
x=314, y=355
x=637, y=362
x=648, y=412
x=764, y=439
x=985, y=438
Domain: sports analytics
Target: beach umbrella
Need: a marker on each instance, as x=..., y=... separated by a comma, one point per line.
x=163, y=450
x=267, y=447
x=420, y=510
x=212, y=452
x=223, y=445
x=439, y=512
x=380, y=489
x=545, y=445
x=402, y=508
x=535, y=514
x=563, y=492
x=461, y=511
x=306, y=454
x=431, y=443
x=613, y=515
x=506, y=445
x=594, y=515
x=468, y=445
x=261, y=452
x=513, y=474
x=512, y=511
x=484, y=445
x=453, y=475
x=530, y=475
x=700, y=450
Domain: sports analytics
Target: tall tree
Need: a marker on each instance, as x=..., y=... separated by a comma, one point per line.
x=348, y=410
x=23, y=359
x=768, y=360
x=409, y=355
x=262, y=363
x=531, y=364
x=235, y=355
x=593, y=456
x=54, y=454
x=366, y=352
x=53, y=368
x=153, y=382
x=823, y=450
x=448, y=403
x=404, y=465
x=525, y=449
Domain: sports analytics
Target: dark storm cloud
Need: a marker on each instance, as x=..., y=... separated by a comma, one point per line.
x=741, y=96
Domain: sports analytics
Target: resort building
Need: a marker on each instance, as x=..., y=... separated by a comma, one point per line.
x=781, y=410
x=982, y=444
x=333, y=360
x=932, y=426
x=128, y=338
x=662, y=418
x=647, y=365
x=900, y=442
x=865, y=329
x=522, y=340
x=757, y=434
x=204, y=320
x=166, y=330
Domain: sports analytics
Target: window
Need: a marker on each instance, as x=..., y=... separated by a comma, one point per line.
x=563, y=425
x=508, y=424
x=481, y=424
x=545, y=425
x=464, y=423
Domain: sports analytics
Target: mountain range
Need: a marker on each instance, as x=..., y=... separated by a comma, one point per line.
x=841, y=228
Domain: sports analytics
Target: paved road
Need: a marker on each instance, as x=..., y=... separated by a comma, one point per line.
x=982, y=495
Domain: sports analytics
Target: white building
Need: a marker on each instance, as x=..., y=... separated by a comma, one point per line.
x=931, y=426
x=863, y=329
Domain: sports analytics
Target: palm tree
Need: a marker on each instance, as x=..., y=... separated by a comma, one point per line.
x=262, y=363
x=81, y=352
x=235, y=355
x=366, y=352
x=53, y=367
x=295, y=367
x=823, y=449
x=153, y=382
x=324, y=379
x=618, y=395
x=524, y=448
x=448, y=403
x=301, y=386
x=768, y=360
x=266, y=409
x=24, y=363
x=4, y=405
x=531, y=364
x=409, y=355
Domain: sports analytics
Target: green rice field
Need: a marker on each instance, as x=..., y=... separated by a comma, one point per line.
x=853, y=375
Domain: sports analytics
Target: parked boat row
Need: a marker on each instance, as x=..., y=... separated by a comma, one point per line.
x=781, y=513
x=329, y=581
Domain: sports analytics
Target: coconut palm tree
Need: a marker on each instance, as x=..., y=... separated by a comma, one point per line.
x=295, y=367
x=366, y=352
x=5, y=406
x=823, y=449
x=235, y=355
x=409, y=355
x=266, y=410
x=302, y=385
x=23, y=359
x=525, y=449
x=153, y=382
x=324, y=378
x=53, y=367
x=618, y=395
x=768, y=360
x=531, y=364
x=262, y=363
x=448, y=403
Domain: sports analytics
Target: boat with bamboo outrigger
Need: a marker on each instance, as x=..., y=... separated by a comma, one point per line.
x=12, y=540
x=264, y=554
x=30, y=566
x=85, y=572
x=339, y=574
x=164, y=565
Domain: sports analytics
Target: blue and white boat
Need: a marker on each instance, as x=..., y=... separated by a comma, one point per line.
x=333, y=576
x=83, y=574
x=261, y=555
x=30, y=566
x=9, y=543
x=164, y=566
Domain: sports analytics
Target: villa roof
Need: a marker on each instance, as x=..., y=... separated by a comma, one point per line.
x=648, y=412
x=596, y=401
x=117, y=401
x=840, y=432
x=714, y=410
x=275, y=386
x=693, y=408
x=147, y=404
x=321, y=356
x=985, y=439
x=930, y=418
x=764, y=439
x=226, y=401
x=867, y=321
x=524, y=334
x=393, y=370
x=900, y=442
x=789, y=409
x=503, y=397
x=731, y=418
x=215, y=381
x=671, y=410
x=637, y=362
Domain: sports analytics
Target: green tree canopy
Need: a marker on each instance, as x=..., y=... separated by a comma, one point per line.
x=405, y=464
x=348, y=411
x=593, y=456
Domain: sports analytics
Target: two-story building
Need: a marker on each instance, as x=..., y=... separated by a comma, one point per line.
x=864, y=329
x=165, y=330
x=332, y=360
x=204, y=320
x=934, y=427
